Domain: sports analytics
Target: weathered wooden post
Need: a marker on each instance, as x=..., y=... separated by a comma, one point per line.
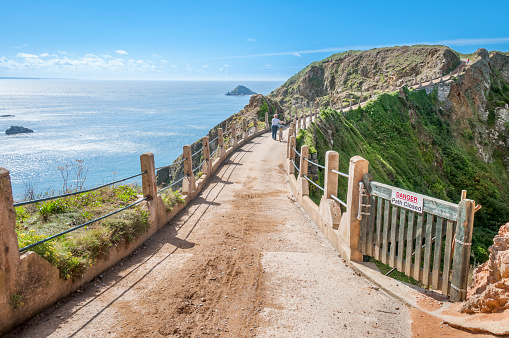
x=357, y=169
x=303, y=184
x=220, y=143
x=234, y=134
x=255, y=125
x=267, y=120
x=304, y=118
x=462, y=248
x=290, y=134
x=207, y=166
x=148, y=180
x=291, y=145
x=244, y=128
x=9, y=249
x=188, y=184
x=299, y=122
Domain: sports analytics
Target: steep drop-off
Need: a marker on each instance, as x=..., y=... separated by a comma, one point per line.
x=436, y=142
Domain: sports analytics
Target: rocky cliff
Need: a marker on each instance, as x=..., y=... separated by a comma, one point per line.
x=437, y=141
x=352, y=72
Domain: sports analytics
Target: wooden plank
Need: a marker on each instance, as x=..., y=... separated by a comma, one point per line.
x=378, y=251
x=364, y=227
x=437, y=259
x=371, y=226
x=401, y=238
x=431, y=205
x=447, y=258
x=394, y=226
x=427, y=250
x=385, y=240
x=418, y=246
x=461, y=256
x=409, y=243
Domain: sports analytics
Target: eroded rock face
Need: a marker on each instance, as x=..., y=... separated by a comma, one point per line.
x=489, y=291
x=356, y=72
x=255, y=102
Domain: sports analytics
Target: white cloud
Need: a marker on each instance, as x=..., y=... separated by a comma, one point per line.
x=27, y=56
x=454, y=42
x=221, y=69
x=63, y=52
x=31, y=64
x=251, y=40
x=205, y=66
x=106, y=56
x=174, y=66
x=44, y=55
x=164, y=61
x=21, y=46
x=122, y=52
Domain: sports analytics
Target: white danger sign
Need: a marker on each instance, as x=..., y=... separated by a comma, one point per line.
x=407, y=200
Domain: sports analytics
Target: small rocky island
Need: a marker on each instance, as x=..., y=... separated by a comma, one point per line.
x=17, y=130
x=240, y=91
x=7, y=115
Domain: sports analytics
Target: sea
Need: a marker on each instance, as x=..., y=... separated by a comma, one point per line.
x=104, y=126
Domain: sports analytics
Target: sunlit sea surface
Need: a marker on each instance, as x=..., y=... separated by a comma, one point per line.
x=107, y=124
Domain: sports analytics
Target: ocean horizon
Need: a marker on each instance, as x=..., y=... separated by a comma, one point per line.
x=106, y=124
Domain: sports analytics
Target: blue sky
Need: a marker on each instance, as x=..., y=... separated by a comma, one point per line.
x=226, y=40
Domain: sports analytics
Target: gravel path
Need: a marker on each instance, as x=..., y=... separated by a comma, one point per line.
x=242, y=260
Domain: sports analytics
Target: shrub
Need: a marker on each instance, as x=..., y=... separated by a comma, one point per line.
x=172, y=198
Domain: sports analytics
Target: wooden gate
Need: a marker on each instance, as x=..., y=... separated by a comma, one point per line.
x=432, y=246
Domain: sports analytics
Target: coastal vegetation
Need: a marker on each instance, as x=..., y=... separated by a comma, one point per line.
x=76, y=251
x=410, y=143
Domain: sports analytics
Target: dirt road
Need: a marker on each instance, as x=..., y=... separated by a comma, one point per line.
x=242, y=260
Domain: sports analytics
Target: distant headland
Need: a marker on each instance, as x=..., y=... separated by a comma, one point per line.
x=239, y=91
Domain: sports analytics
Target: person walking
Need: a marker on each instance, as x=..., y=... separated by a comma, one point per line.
x=275, y=124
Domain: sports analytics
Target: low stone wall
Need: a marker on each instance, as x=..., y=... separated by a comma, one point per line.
x=37, y=282
x=341, y=229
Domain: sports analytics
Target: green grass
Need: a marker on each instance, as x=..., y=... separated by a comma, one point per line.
x=76, y=251
x=172, y=198
x=412, y=144
x=396, y=274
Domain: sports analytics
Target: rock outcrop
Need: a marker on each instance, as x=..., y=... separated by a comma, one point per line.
x=356, y=72
x=256, y=102
x=17, y=130
x=479, y=100
x=489, y=291
x=240, y=91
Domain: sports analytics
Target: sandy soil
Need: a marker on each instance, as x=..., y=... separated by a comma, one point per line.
x=242, y=260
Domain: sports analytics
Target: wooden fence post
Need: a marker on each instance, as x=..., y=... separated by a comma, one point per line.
x=255, y=125
x=304, y=118
x=234, y=134
x=188, y=184
x=206, y=169
x=357, y=169
x=292, y=154
x=290, y=133
x=244, y=128
x=9, y=249
x=299, y=122
x=220, y=143
x=462, y=248
x=304, y=186
x=148, y=180
x=267, y=120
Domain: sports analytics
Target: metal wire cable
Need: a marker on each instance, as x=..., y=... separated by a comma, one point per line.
x=214, y=139
x=295, y=165
x=170, y=165
x=197, y=151
x=340, y=173
x=296, y=151
x=199, y=166
x=338, y=200
x=318, y=165
x=172, y=184
x=80, y=226
x=319, y=187
x=76, y=192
